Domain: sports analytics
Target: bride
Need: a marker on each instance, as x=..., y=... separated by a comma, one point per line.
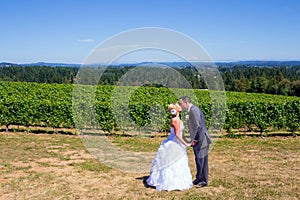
x=170, y=169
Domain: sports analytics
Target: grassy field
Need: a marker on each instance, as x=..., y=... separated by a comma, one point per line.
x=56, y=166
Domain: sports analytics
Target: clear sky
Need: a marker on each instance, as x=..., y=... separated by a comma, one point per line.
x=229, y=30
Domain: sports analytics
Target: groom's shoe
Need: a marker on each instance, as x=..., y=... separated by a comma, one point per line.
x=196, y=182
x=201, y=184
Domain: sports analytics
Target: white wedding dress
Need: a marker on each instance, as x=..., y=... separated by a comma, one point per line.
x=170, y=169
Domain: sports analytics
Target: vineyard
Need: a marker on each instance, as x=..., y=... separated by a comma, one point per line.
x=143, y=108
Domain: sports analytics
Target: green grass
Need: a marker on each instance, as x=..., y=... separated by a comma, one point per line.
x=92, y=165
x=137, y=144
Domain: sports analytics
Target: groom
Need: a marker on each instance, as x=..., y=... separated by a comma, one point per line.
x=200, y=139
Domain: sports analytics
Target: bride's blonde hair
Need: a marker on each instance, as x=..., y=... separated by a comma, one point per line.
x=174, y=106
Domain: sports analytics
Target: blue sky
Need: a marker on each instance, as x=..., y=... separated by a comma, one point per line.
x=68, y=30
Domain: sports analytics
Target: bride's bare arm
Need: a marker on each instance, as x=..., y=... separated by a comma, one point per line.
x=175, y=122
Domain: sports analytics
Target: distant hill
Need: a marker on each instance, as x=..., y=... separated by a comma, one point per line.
x=259, y=63
x=6, y=64
x=249, y=63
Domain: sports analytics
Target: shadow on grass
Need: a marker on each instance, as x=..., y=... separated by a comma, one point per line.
x=144, y=179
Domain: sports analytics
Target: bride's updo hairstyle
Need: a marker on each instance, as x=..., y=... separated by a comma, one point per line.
x=173, y=108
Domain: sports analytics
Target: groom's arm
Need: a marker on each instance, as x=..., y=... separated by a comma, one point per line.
x=194, y=124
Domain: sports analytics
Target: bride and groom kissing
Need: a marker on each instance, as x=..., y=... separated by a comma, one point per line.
x=170, y=169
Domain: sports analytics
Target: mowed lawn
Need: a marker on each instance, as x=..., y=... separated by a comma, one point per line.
x=56, y=166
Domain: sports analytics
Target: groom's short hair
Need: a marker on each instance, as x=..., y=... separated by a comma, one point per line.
x=186, y=99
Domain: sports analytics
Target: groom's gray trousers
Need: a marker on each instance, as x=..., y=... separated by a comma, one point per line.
x=201, y=158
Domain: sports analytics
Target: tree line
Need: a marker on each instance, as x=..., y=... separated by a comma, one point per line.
x=275, y=80
x=270, y=80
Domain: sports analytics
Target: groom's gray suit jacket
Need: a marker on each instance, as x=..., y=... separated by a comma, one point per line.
x=197, y=127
